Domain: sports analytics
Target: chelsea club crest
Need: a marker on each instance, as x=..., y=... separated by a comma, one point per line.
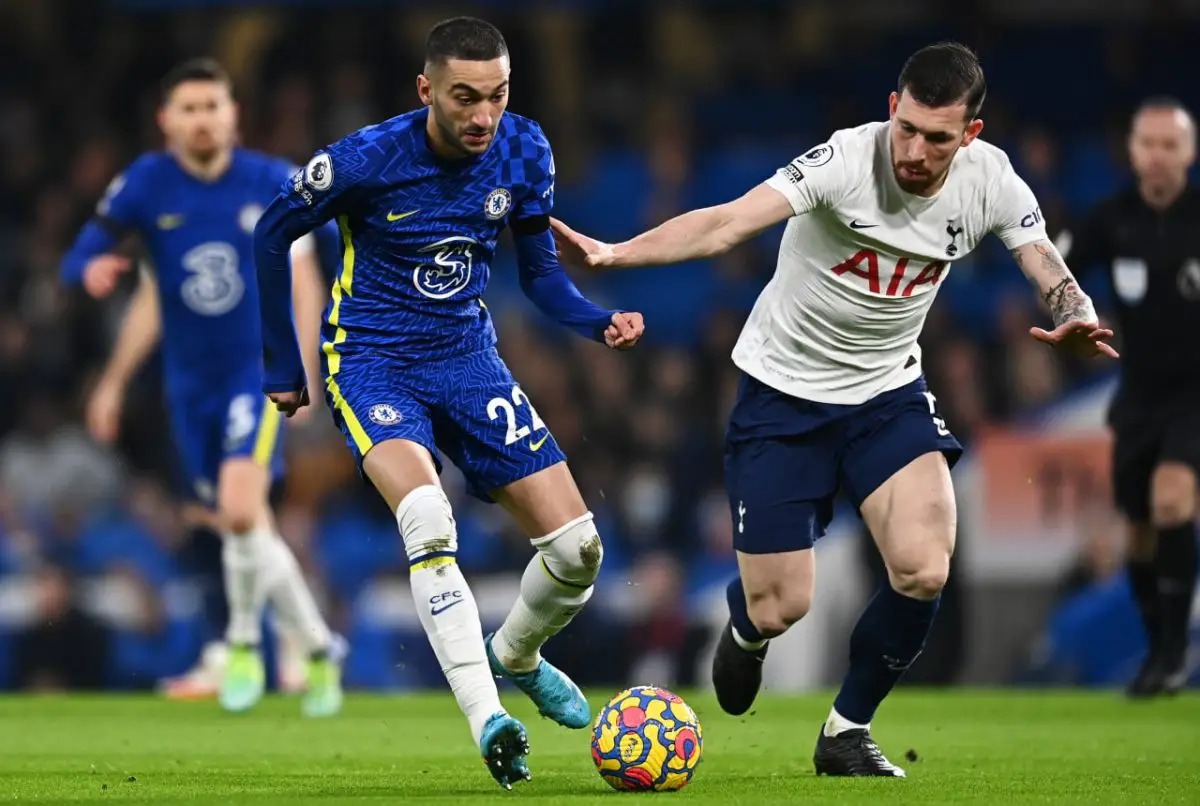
x=383, y=414
x=497, y=203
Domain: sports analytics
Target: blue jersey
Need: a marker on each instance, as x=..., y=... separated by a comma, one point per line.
x=199, y=238
x=419, y=235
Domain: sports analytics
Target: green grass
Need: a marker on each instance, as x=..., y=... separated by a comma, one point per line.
x=973, y=747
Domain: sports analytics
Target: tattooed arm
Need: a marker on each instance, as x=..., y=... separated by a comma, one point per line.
x=1076, y=326
x=1054, y=282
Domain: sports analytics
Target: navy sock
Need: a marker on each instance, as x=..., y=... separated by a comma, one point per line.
x=1143, y=584
x=1176, y=561
x=736, y=595
x=887, y=639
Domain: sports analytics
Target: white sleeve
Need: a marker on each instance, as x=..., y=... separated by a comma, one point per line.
x=1016, y=216
x=817, y=178
x=304, y=245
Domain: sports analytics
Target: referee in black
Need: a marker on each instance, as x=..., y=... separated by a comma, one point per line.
x=1148, y=239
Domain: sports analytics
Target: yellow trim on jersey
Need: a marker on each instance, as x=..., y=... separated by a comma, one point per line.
x=432, y=562
x=341, y=287
x=268, y=434
x=361, y=440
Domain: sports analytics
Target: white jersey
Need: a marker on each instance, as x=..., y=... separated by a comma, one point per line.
x=861, y=261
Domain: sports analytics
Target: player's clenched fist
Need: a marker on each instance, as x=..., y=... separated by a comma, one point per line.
x=103, y=272
x=625, y=331
x=289, y=402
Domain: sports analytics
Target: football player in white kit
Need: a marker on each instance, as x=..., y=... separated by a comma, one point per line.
x=832, y=394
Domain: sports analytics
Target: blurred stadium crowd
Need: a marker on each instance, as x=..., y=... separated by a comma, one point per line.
x=652, y=109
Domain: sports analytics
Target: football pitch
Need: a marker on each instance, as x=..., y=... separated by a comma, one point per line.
x=971, y=747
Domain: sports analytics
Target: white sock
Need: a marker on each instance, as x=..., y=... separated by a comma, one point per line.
x=749, y=646
x=445, y=605
x=451, y=620
x=241, y=561
x=292, y=598
x=544, y=607
x=836, y=723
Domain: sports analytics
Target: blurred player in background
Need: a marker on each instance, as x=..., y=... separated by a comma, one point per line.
x=195, y=206
x=412, y=369
x=833, y=395
x=1149, y=237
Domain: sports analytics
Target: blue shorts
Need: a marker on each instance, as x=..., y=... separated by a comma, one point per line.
x=225, y=420
x=787, y=458
x=468, y=407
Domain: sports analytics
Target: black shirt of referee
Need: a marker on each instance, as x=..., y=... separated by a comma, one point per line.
x=1148, y=240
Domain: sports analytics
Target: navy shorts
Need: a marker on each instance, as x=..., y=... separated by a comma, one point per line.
x=468, y=407
x=227, y=419
x=787, y=458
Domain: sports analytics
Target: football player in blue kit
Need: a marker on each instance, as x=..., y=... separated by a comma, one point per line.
x=411, y=366
x=194, y=206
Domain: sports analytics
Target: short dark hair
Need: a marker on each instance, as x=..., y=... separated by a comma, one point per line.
x=467, y=38
x=943, y=74
x=200, y=69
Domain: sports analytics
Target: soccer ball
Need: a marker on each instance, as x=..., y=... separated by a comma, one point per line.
x=646, y=740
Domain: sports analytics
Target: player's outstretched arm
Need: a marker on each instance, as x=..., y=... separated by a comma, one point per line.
x=1076, y=325
x=308, y=301
x=697, y=234
x=549, y=288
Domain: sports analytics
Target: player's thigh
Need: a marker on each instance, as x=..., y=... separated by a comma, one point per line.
x=913, y=518
x=896, y=468
x=1137, y=447
x=489, y=428
x=387, y=426
x=543, y=502
x=781, y=495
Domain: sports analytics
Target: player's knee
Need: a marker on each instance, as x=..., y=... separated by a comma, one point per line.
x=426, y=523
x=923, y=579
x=775, y=612
x=1172, y=496
x=239, y=516
x=574, y=552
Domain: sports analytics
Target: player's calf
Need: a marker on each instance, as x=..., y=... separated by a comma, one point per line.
x=772, y=592
x=445, y=604
x=556, y=585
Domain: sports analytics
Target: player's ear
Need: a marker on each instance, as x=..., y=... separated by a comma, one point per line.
x=425, y=89
x=973, y=130
x=893, y=102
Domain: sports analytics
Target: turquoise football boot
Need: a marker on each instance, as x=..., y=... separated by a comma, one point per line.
x=504, y=746
x=245, y=679
x=554, y=694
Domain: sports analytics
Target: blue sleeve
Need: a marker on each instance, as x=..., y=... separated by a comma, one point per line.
x=542, y=277
x=118, y=213
x=551, y=290
x=310, y=198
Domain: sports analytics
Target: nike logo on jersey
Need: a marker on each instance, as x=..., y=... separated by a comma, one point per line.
x=856, y=224
x=437, y=611
x=537, y=446
x=393, y=217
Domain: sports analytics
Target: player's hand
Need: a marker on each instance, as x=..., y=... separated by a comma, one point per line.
x=1082, y=339
x=289, y=402
x=577, y=249
x=104, y=411
x=625, y=331
x=103, y=272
